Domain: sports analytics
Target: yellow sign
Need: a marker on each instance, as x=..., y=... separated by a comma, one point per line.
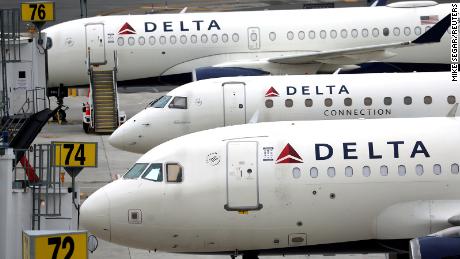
x=75, y=154
x=61, y=246
x=37, y=11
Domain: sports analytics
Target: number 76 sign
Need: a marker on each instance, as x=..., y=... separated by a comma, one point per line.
x=75, y=154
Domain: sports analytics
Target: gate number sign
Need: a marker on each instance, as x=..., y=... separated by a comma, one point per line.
x=47, y=245
x=75, y=154
x=37, y=11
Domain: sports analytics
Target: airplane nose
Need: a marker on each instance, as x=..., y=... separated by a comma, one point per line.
x=95, y=214
x=122, y=137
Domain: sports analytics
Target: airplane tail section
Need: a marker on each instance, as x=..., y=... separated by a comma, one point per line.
x=435, y=33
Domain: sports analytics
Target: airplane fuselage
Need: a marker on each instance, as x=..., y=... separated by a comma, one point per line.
x=169, y=44
x=278, y=186
x=222, y=102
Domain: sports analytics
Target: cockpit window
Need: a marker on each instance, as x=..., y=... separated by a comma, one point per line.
x=161, y=102
x=178, y=103
x=173, y=173
x=135, y=171
x=154, y=173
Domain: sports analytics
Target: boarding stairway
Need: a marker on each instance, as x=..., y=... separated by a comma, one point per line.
x=103, y=93
x=105, y=112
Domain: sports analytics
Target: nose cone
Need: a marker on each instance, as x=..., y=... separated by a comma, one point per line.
x=95, y=214
x=126, y=137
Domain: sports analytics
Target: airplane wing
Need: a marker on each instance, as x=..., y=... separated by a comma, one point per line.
x=364, y=53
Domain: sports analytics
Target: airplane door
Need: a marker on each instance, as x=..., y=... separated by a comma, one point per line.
x=234, y=103
x=242, y=176
x=253, y=38
x=95, y=43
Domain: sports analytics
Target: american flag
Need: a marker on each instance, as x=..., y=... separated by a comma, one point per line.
x=429, y=19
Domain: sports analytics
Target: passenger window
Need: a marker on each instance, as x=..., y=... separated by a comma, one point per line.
x=204, y=38
x=152, y=40
x=427, y=100
x=235, y=37
x=154, y=173
x=396, y=31
x=301, y=35
x=347, y=101
x=383, y=170
x=289, y=103
x=141, y=40
x=314, y=172
x=269, y=103
x=296, y=172
x=427, y=28
x=407, y=100
x=437, y=169
x=365, y=33
x=322, y=34
x=386, y=31
x=328, y=102
x=272, y=36
x=162, y=40
x=331, y=171
x=451, y=99
x=333, y=34
x=121, y=41
x=387, y=101
x=366, y=171
x=290, y=35
x=419, y=169
x=178, y=103
x=308, y=102
x=354, y=33
x=368, y=101
x=131, y=41
x=183, y=39
x=173, y=173
x=375, y=32
x=348, y=171
x=135, y=171
x=161, y=102
x=173, y=39
x=454, y=168
x=215, y=38
x=193, y=39
x=224, y=38
x=344, y=33
x=402, y=170
x=311, y=34
x=418, y=30
x=406, y=31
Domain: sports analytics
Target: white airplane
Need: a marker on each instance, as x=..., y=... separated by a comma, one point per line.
x=248, y=43
x=339, y=186
x=221, y=102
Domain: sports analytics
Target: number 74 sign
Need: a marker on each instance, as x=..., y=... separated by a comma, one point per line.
x=75, y=154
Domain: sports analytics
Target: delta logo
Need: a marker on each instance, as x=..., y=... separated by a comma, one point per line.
x=289, y=156
x=126, y=29
x=272, y=92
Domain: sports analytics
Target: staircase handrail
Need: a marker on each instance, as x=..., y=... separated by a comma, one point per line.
x=114, y=82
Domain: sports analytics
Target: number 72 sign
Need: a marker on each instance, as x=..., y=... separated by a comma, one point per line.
x=75, y=154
